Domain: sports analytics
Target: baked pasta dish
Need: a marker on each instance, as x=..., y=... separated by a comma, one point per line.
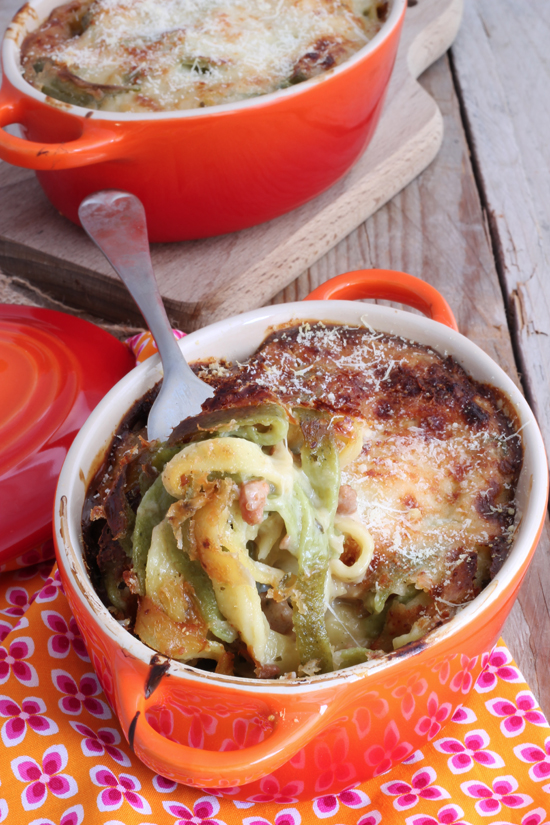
x=342, y=494
x=163, y=55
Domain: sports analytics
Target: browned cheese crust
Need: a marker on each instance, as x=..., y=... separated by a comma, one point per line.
x=164, y=55
x=437, y=475
x=434, y=482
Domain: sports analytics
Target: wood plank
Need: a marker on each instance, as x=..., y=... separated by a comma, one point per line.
x=503, y=77
x=435, y=229
x=205, y=280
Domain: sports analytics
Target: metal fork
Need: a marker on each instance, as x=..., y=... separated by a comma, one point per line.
x=115, y=221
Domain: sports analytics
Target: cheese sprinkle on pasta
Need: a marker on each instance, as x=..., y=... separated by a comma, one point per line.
x=158, y=55
x=342, y=494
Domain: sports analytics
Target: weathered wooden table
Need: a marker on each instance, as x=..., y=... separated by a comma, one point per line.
x=476, y=224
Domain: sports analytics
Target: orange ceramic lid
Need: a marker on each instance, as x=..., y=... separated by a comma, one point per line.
x=54, y=369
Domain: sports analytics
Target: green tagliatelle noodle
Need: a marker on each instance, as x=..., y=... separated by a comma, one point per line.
x=202, y=567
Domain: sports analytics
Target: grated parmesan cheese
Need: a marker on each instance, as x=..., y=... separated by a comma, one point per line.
x=441, y=454
x=134, y=55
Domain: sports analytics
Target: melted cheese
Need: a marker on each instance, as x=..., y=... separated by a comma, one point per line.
x=417, y=496
x=436, y=474
x=430, y=457
x=139, y=55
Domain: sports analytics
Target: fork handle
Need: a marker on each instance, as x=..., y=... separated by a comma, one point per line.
x=116, y=223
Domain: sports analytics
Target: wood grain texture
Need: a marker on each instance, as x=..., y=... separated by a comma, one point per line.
x=202, y=281
x=502, y=68
x=435, y=229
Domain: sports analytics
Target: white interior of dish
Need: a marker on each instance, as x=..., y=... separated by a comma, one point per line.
x=36, y=11
x=237, y=338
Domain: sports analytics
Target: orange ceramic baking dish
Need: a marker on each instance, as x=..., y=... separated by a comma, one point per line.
x=199, y=172
x=296, y=738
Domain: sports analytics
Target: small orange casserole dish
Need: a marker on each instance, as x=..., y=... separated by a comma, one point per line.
x=206, y=171
x=302, y=736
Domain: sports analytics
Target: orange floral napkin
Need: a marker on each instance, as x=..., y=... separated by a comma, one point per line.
x=143, y=345
x=64, y=760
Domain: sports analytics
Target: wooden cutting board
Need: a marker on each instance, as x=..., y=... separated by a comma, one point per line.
x=202, y=281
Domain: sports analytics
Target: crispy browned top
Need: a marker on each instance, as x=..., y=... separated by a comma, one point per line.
x=146, y=55
x=435, y=480
x=441, y=458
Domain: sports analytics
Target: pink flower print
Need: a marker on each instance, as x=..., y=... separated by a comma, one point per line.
x=497, y=667
x=18, y=599
x=464, y=716
x=415, y=687
x=164, y=785
x=464, y=756
x=514, y=716
x=491, y=800
x=534, y=817
x=137, y=343
x=371, y=818
x=333, y=764
x=382, y=757
x=38, y=560
x=4, y=811
x=298, y=761
x=421, y=787
x=537, y=757
x=201, y=724
x=205, y=810
x=431, y=724
x=245, y=732
x=463, y=680
x=271, y=791
x=103, y=672
x=12, y=661
x=80, y=696
x=118, y=789
x=5, y=629
x=288, y=816
x=45, y=777
x=325, y=806
x=29, y=714
x=52, y=586
x=65, y=637
x=443, y=668
x=362, y=716
x=417, y=756
x=72, y=816
x=217, y=792
x=447, y=815
x=101, y=743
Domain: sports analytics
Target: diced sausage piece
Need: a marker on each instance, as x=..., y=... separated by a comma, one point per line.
x=268, y=671
x=278, y=615
x=252, y=499
x=347, y=500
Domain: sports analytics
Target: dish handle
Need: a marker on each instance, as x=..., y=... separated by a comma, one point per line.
x=291, y=730
x=388, y=285
x=93, y=145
